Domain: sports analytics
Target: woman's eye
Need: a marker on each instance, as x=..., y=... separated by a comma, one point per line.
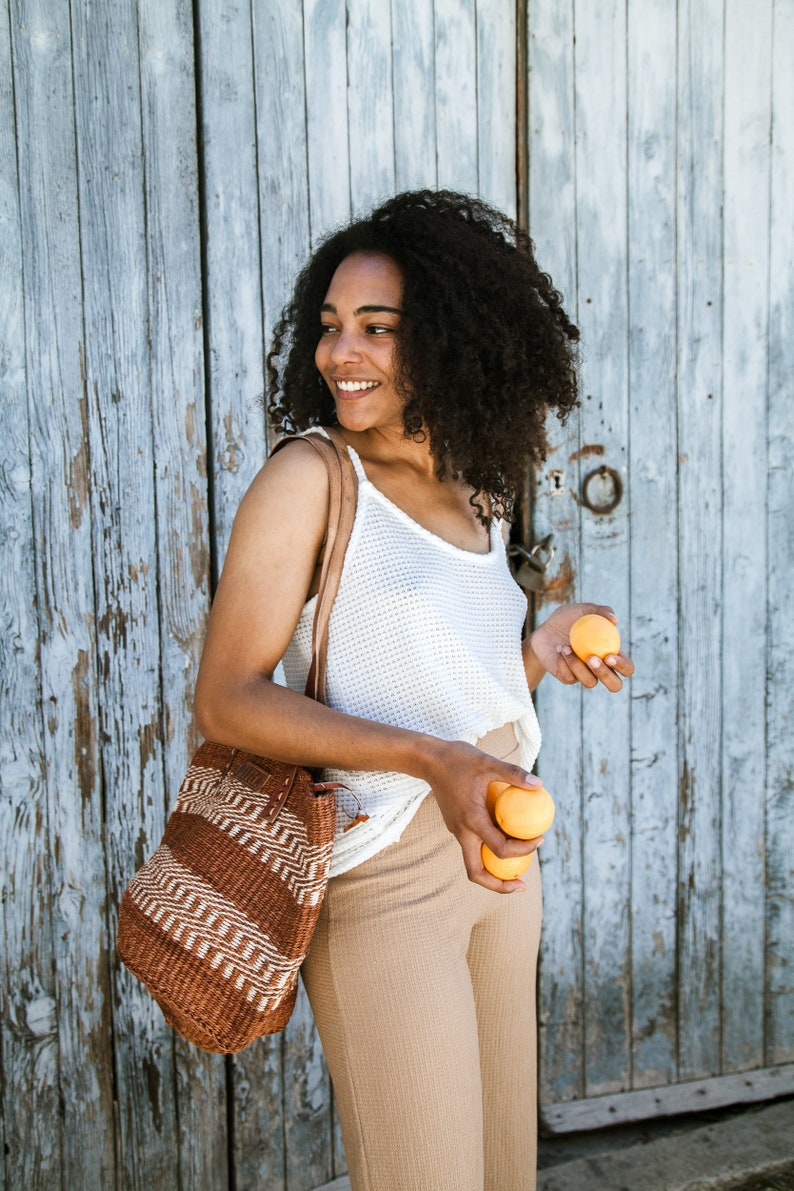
x=326, y=329
x=378, y=330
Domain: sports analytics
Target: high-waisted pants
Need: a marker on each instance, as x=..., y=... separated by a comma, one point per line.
x=422, y=985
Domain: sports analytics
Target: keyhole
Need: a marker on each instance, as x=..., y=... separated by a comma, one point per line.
x=557, y=482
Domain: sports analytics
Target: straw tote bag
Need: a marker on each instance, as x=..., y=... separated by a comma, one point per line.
x=218, y=921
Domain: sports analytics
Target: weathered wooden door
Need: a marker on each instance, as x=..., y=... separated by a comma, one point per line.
x=660, y=147
x=164, y=168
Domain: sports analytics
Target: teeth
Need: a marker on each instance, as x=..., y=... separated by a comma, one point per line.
x=355, y=386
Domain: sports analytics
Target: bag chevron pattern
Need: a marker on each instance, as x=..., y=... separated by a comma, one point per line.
x=217, y=922
x=199, y=911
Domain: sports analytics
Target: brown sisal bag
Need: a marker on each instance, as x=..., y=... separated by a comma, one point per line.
x=218, y=921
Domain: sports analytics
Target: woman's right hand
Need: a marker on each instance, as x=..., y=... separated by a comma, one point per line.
x=459, y=775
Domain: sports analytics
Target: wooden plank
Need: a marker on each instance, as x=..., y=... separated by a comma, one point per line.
x=699, y=270
x=414, y=86
x=749, y=1087
x=232, y=300
x=603, y=319
x=124, y=515
x=779, y=1023
x=651, y=50
x=281, y=160
x=325, y=65
x=31, y=1128
x=370, y=99
x=496, y=103
x=307, y=1104
x=258, y=1137
x=65, y=597
x=747, y=116
x=179, y=424
x=552, y=223
x=456, y=95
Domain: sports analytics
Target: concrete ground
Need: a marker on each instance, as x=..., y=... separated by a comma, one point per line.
x=750, y=1148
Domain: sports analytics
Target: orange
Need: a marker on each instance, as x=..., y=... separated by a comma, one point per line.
x=506, y=870
x=594, y=636
x=494, y=790
x=524, y=814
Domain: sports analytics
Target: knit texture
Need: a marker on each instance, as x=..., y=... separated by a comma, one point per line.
x=423, y=635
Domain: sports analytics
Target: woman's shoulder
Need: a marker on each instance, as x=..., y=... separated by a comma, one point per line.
x=293, y=482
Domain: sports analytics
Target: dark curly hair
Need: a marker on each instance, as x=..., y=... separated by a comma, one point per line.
x=484, y=347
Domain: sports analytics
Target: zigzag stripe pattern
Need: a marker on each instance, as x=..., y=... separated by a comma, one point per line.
x=193, y=914
x=285, y=849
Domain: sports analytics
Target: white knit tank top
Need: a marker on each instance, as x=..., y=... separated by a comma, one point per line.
x=423, y=635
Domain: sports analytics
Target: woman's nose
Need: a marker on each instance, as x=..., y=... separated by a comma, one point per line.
x=345, y=346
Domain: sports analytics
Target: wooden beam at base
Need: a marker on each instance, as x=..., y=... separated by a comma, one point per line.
x=695, y=1096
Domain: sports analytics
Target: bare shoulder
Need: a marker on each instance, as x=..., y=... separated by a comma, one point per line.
x=292, y=484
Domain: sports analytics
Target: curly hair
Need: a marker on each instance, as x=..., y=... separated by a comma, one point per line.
x=484, y=348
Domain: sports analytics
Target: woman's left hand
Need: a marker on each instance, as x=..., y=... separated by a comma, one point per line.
x=551, y=646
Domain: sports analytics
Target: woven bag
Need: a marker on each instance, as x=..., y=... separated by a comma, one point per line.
x=218, y=921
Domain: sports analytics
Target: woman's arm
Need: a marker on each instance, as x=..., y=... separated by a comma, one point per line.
x=267, y=576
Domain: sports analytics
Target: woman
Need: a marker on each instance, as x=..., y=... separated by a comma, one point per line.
x=429, y=336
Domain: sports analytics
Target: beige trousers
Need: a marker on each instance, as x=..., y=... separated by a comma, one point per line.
x=422, y=985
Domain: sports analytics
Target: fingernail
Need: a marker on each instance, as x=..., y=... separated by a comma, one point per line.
x=595, y=663
x=611, y=660
x=566, y=649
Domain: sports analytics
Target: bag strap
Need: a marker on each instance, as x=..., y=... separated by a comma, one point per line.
x=342, y=496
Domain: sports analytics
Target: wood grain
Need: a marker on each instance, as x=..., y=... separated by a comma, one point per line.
x=29, y=1029
x=779, y=787
x=603, y=320
x=747, y=117
x=653, y=624
x=700, y=380
x=552, y=224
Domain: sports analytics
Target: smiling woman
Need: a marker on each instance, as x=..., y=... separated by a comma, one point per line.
x=427, y=336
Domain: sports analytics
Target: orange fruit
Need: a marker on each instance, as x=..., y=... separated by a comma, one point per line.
x=524, y=814
x=493, y=792
x=594, y=636
x=506, y=870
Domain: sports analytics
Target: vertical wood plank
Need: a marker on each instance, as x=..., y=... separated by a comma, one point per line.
x=552, y=224
x=29, y=1063
x=307, y=1103
x=603, y=319
x=124, y=516
x=281, y=103
x=370, y=96
x=780, y=536
x=232, y=300
x=413, y=73
x=747, y=116
x=180, y=477
x=654, y=545
x=61, y=471
x=456, y=95
x=325, y=64
x=258, y=1138
x=496, y=103
x=699, y=270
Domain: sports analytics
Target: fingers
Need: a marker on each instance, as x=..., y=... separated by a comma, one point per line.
x=479, y=875
x=609, y=672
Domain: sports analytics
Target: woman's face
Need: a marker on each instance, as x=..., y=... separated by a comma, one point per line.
x=356, y=354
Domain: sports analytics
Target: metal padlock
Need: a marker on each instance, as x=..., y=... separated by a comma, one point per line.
x=530, y=566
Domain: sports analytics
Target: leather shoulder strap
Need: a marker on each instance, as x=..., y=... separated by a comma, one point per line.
x=342, y=496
